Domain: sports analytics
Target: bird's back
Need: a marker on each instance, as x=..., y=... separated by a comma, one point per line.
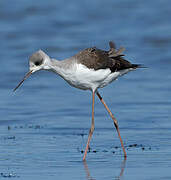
x=94, y=58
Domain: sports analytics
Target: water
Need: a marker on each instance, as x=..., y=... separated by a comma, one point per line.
x=44, y=125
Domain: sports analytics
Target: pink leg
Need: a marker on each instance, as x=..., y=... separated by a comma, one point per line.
x=115, y=122
x=91, y=129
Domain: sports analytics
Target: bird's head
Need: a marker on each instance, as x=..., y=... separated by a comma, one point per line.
x=37, y=61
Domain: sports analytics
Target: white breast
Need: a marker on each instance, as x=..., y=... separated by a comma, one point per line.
x=84, y=78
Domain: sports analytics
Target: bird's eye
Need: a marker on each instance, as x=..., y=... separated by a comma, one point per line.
x=37, y=63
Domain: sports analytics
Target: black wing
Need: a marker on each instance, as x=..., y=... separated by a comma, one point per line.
x=94, y=58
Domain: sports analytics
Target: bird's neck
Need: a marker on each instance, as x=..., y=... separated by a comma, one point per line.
x=61, y=66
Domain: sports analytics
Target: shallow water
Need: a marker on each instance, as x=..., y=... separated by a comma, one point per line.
x=44, y=125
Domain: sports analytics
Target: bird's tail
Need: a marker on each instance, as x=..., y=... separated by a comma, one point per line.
x=135, y=66
x=113, y=53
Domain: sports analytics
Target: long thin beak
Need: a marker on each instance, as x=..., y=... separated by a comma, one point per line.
x=25, y=77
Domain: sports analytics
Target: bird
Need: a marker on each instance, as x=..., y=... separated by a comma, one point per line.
x=89, y=69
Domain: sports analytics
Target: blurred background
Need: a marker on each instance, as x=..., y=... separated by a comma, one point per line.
x=44, y=125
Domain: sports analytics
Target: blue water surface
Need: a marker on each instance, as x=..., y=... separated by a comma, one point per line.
x=44, y=125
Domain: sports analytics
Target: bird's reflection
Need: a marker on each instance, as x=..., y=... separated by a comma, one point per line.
x=89, y=177
x=123, y=164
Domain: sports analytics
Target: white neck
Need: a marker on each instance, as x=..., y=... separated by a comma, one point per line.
x=61, y=67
